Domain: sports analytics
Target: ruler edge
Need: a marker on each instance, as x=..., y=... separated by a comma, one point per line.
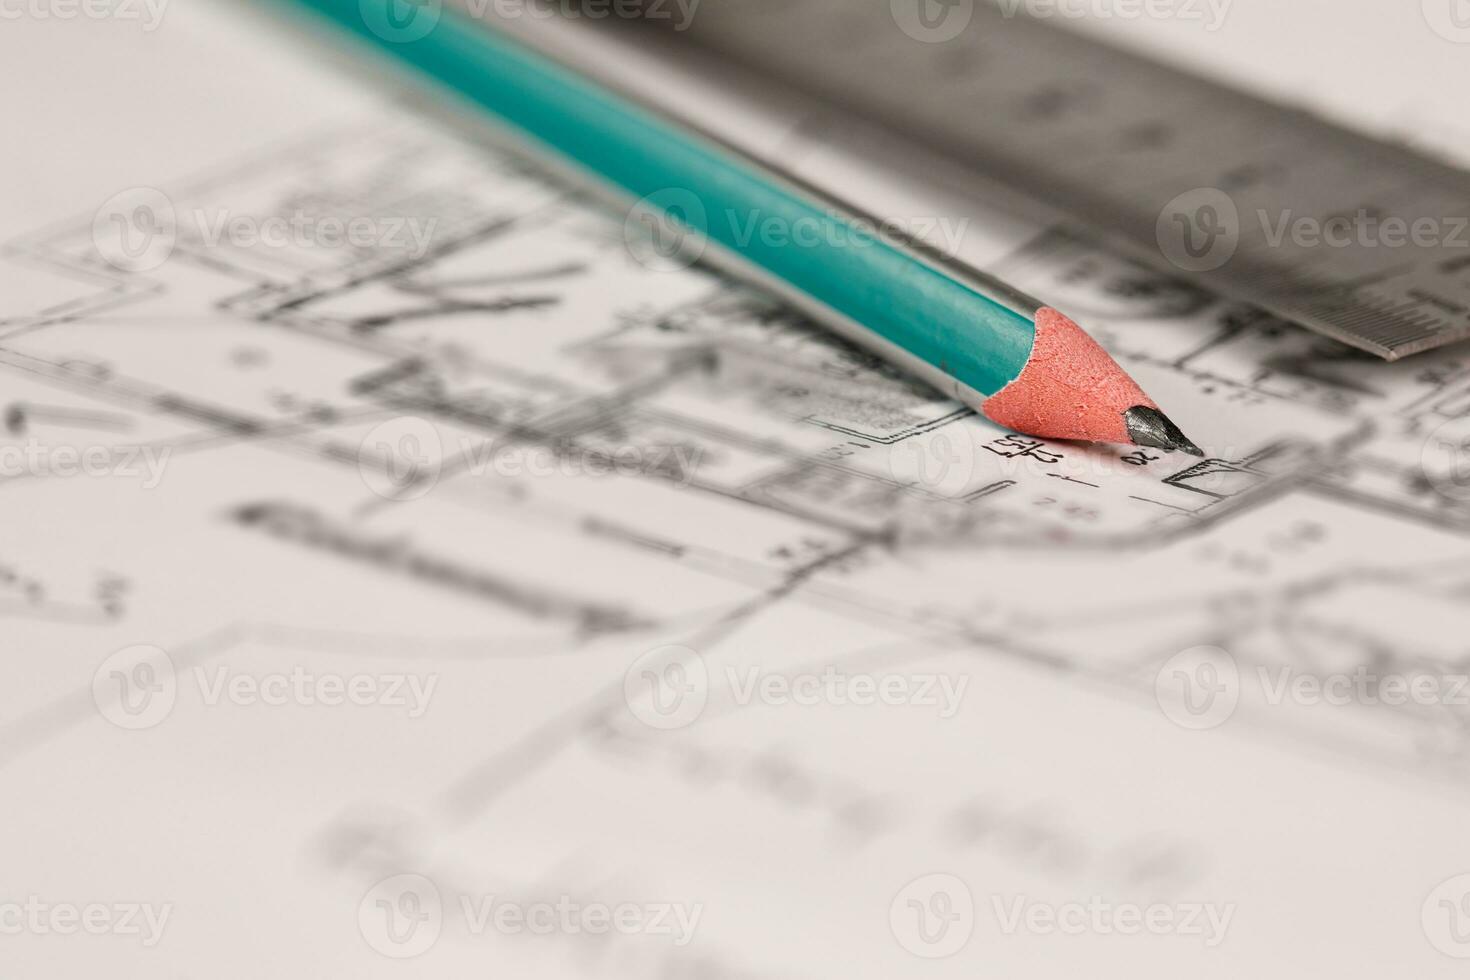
x=1294, y=115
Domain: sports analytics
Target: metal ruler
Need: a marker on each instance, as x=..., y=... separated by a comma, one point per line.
x=1362, y=240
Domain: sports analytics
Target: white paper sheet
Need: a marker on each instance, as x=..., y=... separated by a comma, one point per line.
x=494, y=597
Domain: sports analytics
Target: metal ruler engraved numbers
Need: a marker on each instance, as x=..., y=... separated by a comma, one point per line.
x=1362, y=240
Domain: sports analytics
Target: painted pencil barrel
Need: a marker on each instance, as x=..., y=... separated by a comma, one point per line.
x=907, y=303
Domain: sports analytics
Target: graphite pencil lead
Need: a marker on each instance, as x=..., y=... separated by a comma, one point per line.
x=1147, y=426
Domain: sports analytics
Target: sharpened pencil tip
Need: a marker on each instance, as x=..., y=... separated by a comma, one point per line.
x=1151, y=427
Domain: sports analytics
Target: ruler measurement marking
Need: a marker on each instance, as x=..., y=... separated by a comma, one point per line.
x=1110, y=137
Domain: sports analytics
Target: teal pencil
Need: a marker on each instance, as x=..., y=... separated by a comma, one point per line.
x=1039, y=373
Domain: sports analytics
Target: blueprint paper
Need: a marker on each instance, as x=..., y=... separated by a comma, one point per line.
x=487, y=592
